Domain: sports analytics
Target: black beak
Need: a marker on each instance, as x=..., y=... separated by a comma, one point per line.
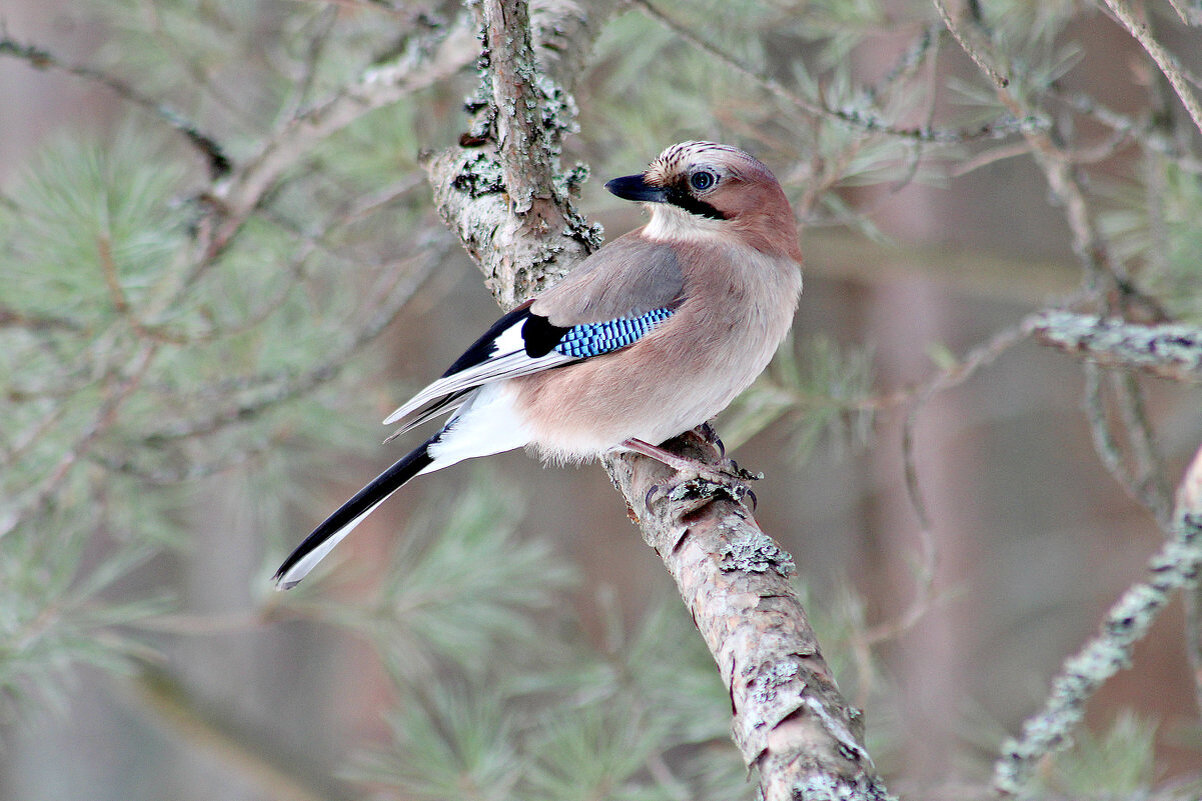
x=633, y=187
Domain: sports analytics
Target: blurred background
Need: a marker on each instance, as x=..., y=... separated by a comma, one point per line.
x=192, y=384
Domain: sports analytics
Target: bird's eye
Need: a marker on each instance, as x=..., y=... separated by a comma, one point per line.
x=702, y=180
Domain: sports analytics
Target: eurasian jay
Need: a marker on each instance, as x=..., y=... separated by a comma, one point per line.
x=647, y=338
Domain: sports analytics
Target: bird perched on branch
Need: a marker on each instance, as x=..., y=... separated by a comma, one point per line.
x=647, y=338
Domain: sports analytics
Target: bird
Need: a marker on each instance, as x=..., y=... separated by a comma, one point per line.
x=647, y=338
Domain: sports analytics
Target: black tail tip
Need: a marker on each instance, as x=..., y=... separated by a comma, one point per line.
x=281, y=584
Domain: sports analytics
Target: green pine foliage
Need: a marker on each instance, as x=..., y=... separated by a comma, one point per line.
x=140, y=358
x=1118, y=763
x=824, y=392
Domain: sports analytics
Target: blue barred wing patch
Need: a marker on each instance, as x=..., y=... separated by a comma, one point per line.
x=593, y=339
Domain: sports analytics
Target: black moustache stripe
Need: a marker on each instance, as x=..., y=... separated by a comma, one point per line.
x=692, y=205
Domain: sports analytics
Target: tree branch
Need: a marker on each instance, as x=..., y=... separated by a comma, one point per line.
x=425, y=61
x=1168, y=351
x=1165, y=60
x=868, y=119
x=1175, y=566
x=790, y=720
x=1103, y=272
x=38, y=58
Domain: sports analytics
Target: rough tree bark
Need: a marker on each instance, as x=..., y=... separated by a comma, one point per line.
x=504, y=193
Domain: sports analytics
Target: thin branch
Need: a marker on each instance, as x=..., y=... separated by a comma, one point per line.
x=12, y=318
x=1190, y=15
x=134, y=371
x=183, y=56
x=927, y=42
x=1147, y=467
x=1105, y=444
x=975, y=359
x=39, y=58
x=1151, y=137
x=1175, y=566
x=975, y=51
x=425, y=62
x=1168, y=351
x=1103, y=272
x=406, y=280
x=866, y=121
x=1165, y=60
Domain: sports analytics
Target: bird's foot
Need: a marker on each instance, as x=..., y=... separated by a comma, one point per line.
x=705, y=436
x=701, y=479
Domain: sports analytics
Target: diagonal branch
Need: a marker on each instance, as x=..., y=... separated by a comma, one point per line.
x=1165, y=60
x=426, y=61
x=790, y=721
x=39, y=58
x=867, y=119
x=1174, y=567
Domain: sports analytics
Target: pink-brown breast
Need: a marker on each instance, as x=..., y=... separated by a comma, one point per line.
x=739, y=303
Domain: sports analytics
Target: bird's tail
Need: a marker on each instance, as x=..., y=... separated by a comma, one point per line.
x=323, y=538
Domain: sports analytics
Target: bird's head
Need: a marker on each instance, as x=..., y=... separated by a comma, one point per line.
x=699, y=190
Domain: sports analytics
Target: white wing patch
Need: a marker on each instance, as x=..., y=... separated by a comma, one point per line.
x=507, y=360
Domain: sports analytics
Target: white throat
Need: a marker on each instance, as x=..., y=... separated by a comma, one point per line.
x=669, y=223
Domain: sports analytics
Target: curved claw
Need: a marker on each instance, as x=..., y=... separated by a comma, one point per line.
x=710, y=434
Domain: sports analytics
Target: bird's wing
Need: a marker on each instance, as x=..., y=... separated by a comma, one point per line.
x=614, y=298
x=627, y=278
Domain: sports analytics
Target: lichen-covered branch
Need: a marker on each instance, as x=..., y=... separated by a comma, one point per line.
x=503, y=190
x=1175, y=566
x=790, y=720
x=791, y=723
x=1169, y=351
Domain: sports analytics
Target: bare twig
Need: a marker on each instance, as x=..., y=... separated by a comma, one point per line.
x=975, y=359
x=1165, y=60
x=1139, y=474
x=864, y=120
x=1147, y=468
x=39, y=58
x=1104, y=442
x=425, y=62
x=1175, y=566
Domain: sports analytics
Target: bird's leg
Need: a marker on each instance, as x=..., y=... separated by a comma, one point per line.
x=688, y=466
